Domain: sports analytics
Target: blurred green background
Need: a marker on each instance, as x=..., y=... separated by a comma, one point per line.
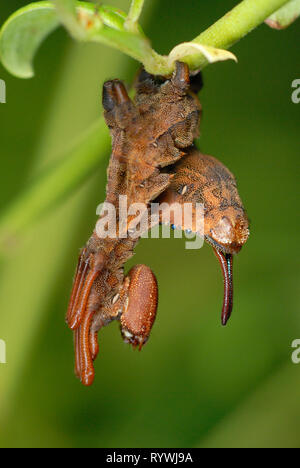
x=195, y=383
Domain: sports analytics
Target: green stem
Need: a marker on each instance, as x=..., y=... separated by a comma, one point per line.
x=285, y=16
x=130, y=44
x=228, y=30
x=232, y=27
x=131, y=23
x=242, y=19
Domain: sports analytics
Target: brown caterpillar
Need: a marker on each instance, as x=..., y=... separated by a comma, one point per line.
x=152, y=155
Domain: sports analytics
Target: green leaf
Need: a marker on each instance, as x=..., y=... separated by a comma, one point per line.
x=66, y=6
x=24, y=31
x=22, y=34
x=285, y=16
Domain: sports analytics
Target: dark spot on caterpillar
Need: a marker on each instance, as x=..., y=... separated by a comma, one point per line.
x=224, y=204
x=217, y=193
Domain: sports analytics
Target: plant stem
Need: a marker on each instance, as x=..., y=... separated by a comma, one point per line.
x=228, y=30
x=131, y=23
x=109, y=27
x=285, y=16
x=232, y=27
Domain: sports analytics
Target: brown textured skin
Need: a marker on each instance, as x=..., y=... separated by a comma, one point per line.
x=204, y=179
x=141, y=305
x=147, y=135
x=200, y=178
